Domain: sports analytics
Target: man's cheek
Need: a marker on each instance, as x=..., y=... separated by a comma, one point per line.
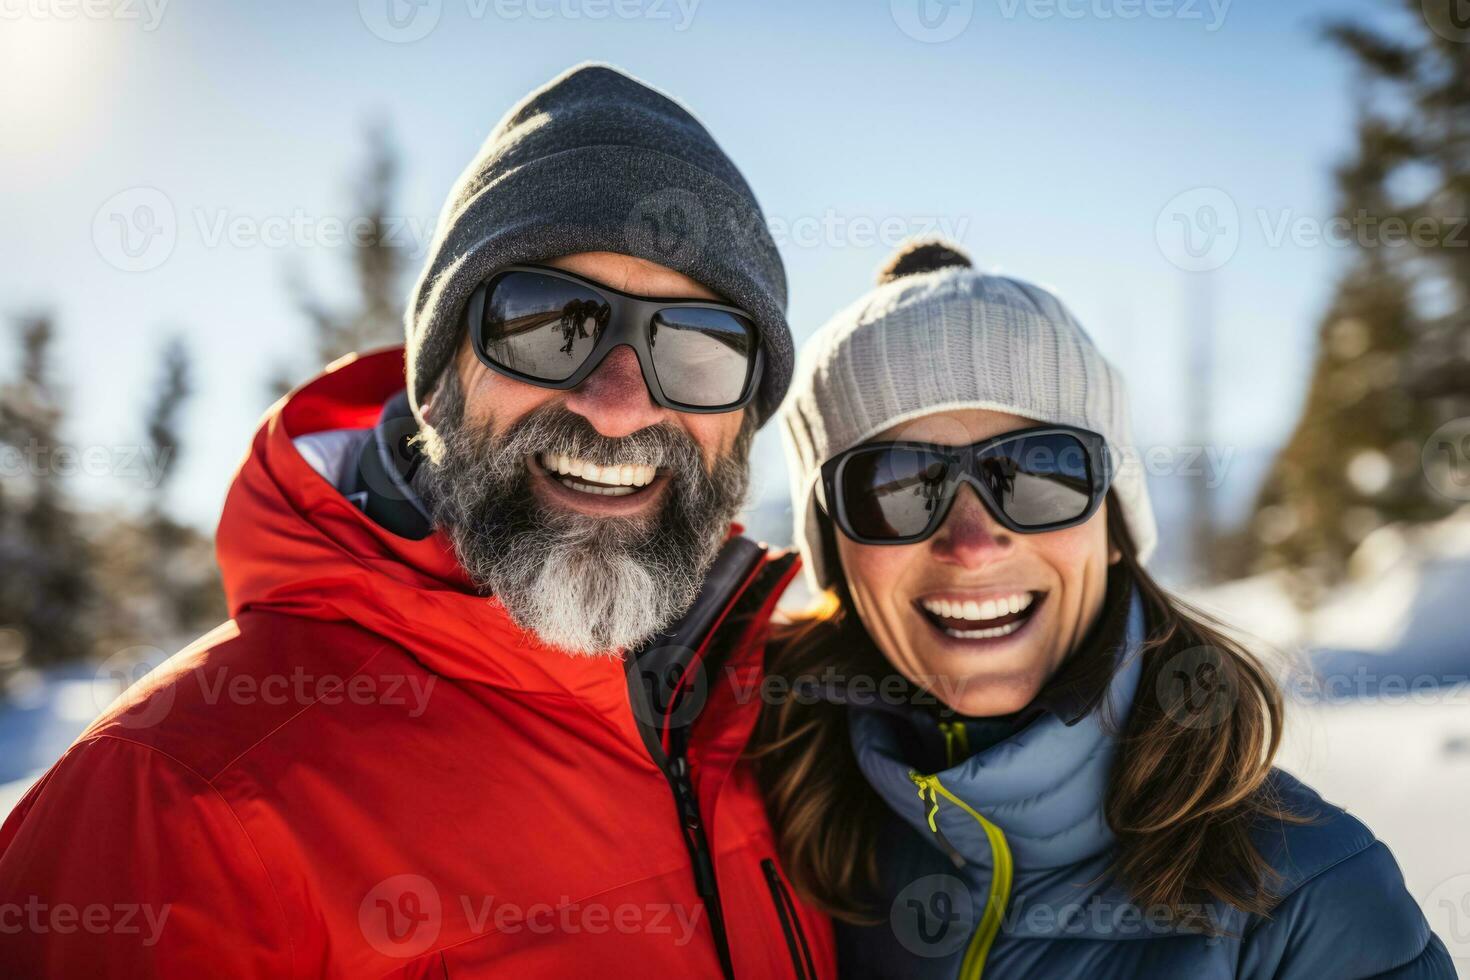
x=716, y=435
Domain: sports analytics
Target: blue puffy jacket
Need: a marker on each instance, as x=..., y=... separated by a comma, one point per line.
x=998, y=865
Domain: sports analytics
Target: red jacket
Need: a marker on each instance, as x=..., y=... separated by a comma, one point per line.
x=370, y=771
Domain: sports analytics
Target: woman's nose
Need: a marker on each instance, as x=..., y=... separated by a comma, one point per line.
x=969, y=536
x=615, y=398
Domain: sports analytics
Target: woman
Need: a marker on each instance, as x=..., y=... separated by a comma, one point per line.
x=1026, y=758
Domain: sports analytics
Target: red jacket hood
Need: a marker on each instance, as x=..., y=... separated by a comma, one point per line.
x=289, y=542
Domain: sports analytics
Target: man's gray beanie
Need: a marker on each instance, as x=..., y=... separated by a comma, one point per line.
x=937, y=336
x=596, y=161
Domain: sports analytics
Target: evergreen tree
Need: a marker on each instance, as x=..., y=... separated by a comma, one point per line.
x=48, y=593
x=1393, y=358
x=158, y=575
x=162, y=418
x=182, y=572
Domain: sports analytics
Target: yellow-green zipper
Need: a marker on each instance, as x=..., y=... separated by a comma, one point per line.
x=954, y=735
x=973, y=965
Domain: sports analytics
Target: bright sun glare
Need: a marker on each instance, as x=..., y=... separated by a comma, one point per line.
x=49, y=70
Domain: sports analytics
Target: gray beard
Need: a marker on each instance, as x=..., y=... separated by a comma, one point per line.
x=591, y=586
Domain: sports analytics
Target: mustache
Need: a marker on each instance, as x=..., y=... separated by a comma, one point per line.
x=555, y=430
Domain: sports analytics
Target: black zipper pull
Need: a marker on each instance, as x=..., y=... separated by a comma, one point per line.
x=704, y=870
x=698, y=844
x=927, y=785
x=950, y=849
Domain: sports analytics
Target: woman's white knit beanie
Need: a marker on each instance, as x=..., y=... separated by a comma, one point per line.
x=945, y=339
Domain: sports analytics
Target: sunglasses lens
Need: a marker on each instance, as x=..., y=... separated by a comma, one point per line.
x=540, y=326
x=703, y=357
x=1039, y=480
x=892, y=493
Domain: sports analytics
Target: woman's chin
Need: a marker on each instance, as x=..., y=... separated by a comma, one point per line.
x=987, y=697
x=996, y=682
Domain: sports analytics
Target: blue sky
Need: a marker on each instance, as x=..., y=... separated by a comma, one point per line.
x=1052, y=137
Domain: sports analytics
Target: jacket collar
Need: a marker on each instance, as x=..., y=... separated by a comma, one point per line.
x=1043, y=785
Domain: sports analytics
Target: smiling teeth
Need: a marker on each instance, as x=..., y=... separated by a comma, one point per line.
x=986, y=634
x=618, y=480
x=980, y=611
x=600, y=491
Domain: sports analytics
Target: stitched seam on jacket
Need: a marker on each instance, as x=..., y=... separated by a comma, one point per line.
x=1407, y=963
x=1267, y=923
x=280, y=906
x=1061, y=786
x=1281, y=900
x=297, y=714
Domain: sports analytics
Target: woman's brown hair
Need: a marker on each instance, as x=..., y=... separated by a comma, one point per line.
x=1188, y=785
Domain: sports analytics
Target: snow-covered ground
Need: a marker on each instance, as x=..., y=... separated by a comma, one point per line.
x=1403, y=768
x=47, y=711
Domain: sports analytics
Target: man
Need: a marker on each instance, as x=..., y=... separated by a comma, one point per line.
x=495, y=646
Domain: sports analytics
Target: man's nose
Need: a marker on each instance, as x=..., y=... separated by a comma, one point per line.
x=615, y=398
x=969, y=537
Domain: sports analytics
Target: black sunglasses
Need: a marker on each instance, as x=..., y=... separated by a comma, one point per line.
x=1031, y=480
x=553, y=328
